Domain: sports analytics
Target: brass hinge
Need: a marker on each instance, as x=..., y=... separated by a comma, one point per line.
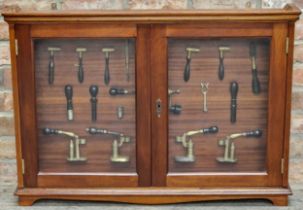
x=287, y=45
x=23, y=166
x=16, y=47
x=282, y=166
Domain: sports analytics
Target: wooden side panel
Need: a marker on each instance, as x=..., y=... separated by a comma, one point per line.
x=277, y=95
x=291, y=32
x=143, y=105
x=27, y=100
x=159, y=81
x=16, y=105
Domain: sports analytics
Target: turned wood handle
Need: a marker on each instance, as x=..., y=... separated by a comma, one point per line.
x=233, y=108
x=175, y=109
x=106, y=72
x=93, y=89
x=255, y=133
x=80, y=71
x=51, y=70
x=117, y=91
x=69, y=95
x=187, y=70
x=221, y=69
x=255, y=82
x=49, y=131
x=212, y=129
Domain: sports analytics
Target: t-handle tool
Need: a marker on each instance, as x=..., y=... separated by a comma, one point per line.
x=93, y=90
x=107, y=51
x=174, y=108
x=255, y=80
x=80, y=52
x=69, y=101
x=186, y=141
x=221, y=71
x=51, y=64
x=229, y=145
x=116, y=157
x=74, y=145
x=233, y=106
x=189, y=50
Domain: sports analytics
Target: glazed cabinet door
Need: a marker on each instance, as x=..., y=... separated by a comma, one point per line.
x=221, y=88
x=79, y=89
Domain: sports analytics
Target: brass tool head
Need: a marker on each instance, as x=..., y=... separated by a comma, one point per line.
x=191, y=50
x=171, y=92
x=53, y=49
x=222, y=49
x=81, y=49
x=107, y=50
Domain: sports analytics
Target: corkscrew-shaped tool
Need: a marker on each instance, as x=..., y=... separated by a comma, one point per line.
x=80, y=52
x=69, y=102
x=174, y=108
x=229, y=145
x=233, y=106
x=119, y=140
x=74, y=145
x=107, y=51
x=51, y=64
x=189, y=50
x=93, y=90
x=186, y=140
x=255, y=80
x=221, y=71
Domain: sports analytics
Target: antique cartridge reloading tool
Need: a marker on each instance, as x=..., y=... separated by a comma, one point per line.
x=233, y=104
x=74, y=145
x=51, y=64
x=119, y=140
x=106, y=52
x=221, y=71
x=189, y=50
x=229, y=145
x=204, y=89
x=114, y=91
x=93, y=90
x=255, y=80
x=69, y=102
x=174, y=108
x=80, y=52
x=186, y=140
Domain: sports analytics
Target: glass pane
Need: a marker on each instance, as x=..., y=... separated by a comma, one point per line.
x=86, y=86
x=219, y=103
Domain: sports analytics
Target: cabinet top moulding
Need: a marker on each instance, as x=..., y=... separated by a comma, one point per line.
x=289, y=13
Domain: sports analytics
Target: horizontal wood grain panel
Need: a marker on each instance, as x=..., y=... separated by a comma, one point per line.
x=83, y=30
x=86, y=181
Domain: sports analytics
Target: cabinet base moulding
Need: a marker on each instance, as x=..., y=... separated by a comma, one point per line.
x=278, y=196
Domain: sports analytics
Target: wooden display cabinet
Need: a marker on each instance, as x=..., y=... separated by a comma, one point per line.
x=152, y=106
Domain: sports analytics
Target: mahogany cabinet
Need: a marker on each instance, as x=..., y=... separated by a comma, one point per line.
x=152, y=106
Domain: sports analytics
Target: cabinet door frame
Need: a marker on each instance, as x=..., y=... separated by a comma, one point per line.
x=278, y=33
x=25, y=74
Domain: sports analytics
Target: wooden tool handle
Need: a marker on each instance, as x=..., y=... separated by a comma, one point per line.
x=187, y=70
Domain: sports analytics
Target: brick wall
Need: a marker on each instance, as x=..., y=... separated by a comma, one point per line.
x=7, y=147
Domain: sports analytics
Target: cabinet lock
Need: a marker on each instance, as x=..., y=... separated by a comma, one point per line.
x=159, y=107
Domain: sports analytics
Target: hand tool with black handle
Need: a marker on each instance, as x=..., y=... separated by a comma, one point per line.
x=93, y=90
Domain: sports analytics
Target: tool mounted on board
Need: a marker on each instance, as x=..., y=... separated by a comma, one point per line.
x=221, y=71
x=119, y=140
x=204, y=89
x=186, y=140
x=255, y=80
x=51, y=64
x=234, y=87
x=74, y=145
x=80, y=52
x=115, y=91
x=93, y=90
x=106, y=52
x=187, y=69
x=68, y=90
x=229, y=145
x=174, y=108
